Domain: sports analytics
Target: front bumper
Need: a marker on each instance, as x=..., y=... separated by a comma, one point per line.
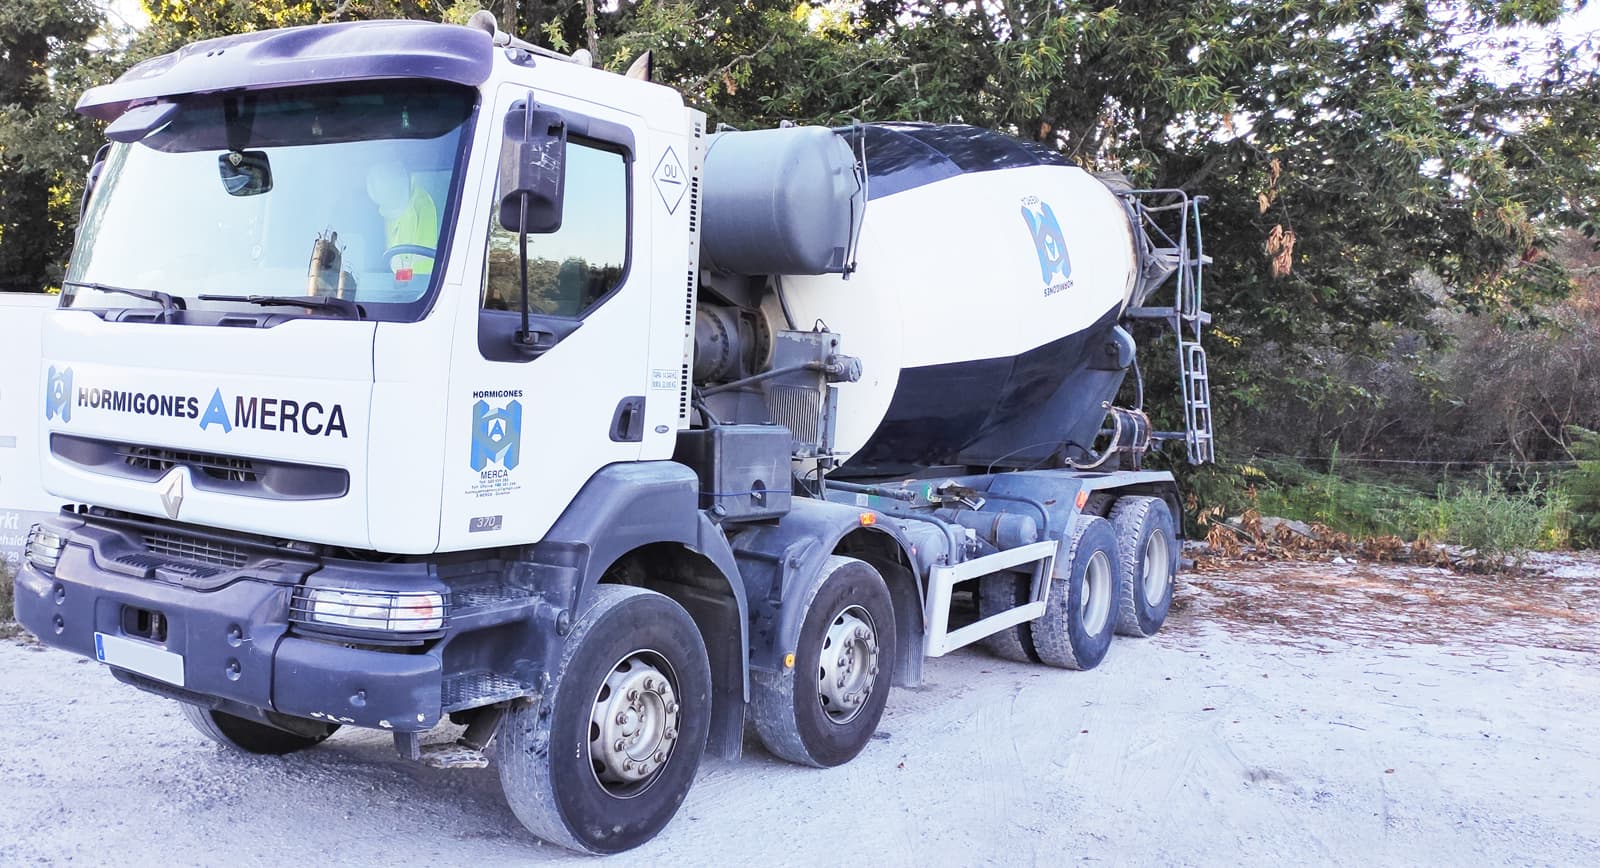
x=231, y=632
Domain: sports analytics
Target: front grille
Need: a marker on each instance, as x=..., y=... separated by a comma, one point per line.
x=266, y=478
x=225, y=468
x=190, y=548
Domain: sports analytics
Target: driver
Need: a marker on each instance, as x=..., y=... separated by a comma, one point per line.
x=409, y=217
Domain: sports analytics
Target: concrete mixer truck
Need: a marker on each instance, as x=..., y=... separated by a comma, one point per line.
x=407, y=373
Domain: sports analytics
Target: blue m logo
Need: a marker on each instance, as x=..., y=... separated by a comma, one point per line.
x=58, y=394
x=496, y=435
x=1049, y=240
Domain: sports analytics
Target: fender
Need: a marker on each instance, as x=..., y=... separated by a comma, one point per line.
x=621, y=509
x=777, y=562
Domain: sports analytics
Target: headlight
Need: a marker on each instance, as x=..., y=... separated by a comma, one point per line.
x=378, y=611
x=44, y=548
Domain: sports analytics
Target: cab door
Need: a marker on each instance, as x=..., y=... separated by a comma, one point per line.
x=526, y=430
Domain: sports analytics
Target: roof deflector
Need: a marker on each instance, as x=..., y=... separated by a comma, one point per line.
x=347, y=51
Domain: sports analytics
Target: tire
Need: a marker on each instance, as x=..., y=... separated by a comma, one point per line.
x=562, y=782
x=248, y=736
x=1148, y=549
x=847, y=612
x=1080, y=615
x=997, y=593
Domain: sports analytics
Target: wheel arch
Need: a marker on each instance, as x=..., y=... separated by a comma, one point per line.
x=640, y=524
x=778, y=560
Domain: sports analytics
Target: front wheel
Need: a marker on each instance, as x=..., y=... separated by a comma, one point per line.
x=602, y=761
x=249, y=736
x=824, y=709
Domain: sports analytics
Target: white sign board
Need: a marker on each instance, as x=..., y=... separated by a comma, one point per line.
x=22, y=500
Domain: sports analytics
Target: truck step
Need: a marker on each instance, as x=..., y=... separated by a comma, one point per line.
x=472, y=689
x=453, y=756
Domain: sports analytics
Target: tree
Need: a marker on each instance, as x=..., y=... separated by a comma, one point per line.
x=44, y=62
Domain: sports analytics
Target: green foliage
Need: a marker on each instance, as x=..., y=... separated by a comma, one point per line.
x=44, y=63
x=1496, y=525
x=8, y=627
x=1493, y=517
x=1581, y=486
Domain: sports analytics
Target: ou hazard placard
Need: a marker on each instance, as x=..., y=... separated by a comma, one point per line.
x=671, y=180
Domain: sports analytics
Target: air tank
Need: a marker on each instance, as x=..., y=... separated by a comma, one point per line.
x=989, y=276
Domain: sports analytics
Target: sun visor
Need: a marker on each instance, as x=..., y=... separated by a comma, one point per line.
x=322, y=53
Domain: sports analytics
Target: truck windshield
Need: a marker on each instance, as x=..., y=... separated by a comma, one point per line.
x=335, y=191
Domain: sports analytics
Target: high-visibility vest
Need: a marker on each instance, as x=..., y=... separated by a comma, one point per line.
x=418, y=224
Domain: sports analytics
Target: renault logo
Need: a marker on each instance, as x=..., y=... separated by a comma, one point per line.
x=172, y=497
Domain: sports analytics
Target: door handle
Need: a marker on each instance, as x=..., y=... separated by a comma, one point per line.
x=627, y=423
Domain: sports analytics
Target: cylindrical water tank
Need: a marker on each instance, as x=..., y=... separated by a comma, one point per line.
x=778, y=201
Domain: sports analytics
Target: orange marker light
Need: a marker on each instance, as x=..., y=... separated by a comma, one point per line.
x=868, y=519
x=1083, y=498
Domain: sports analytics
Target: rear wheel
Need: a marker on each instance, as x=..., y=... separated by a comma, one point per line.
x=602, y=761
x=250, y=736
x=824, y=709
x=1075, y=630
x=1148, y=549
x=996, y=593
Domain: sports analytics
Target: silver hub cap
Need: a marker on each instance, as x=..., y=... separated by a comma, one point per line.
x=1095, y=601
x=1157, y=569
x=849, y=665
x=634, y=724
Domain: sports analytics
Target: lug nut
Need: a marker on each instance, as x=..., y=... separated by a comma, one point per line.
x=661, y=756
x=649, y=684
x=627, y=765
x=632, y=695
x=622, y=718
x=620, y=744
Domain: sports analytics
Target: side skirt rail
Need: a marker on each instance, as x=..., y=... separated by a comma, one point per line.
x=942, y=580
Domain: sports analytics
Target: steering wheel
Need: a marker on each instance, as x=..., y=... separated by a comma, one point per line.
x=408, y=250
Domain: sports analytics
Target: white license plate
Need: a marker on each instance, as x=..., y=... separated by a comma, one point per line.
x=140, y=657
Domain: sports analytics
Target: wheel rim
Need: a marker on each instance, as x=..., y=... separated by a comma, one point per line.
x=1157, y=569
x=1094, y=603
x=634, y=724
x=849, y=664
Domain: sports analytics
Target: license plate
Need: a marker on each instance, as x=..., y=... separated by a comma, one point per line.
x=140, y=657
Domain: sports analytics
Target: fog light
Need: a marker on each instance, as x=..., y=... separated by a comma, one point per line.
x=43, y=549
x=378, y=611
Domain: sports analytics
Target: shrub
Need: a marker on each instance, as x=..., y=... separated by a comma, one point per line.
x=1581, y=485
x=1497, y=525
x=8, y=628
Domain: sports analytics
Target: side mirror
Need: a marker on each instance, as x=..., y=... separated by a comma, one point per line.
x=532, y=169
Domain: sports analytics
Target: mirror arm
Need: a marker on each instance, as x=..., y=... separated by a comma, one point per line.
x=524, y=338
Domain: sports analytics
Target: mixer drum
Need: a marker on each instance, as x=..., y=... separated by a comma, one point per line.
x=990, y=277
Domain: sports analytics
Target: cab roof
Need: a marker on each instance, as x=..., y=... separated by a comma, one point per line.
x=315, y=54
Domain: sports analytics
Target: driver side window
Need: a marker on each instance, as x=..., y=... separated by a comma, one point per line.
x=571, y=270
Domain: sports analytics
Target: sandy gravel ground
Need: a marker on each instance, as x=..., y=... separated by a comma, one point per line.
x=1301, y=713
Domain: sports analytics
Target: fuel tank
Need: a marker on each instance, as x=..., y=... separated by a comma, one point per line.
x=989, y=277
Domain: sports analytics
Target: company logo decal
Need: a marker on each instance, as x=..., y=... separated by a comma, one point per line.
x=1050, y=243
x=58, y=394
x=496, y=440
x=260, y=413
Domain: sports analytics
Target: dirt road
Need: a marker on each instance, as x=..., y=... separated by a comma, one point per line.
x=1309, y=713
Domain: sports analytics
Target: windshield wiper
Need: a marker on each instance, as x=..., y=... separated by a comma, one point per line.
x=343, y=306
x=169, y=303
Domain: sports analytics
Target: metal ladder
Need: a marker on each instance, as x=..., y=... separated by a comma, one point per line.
x=1172, y=246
